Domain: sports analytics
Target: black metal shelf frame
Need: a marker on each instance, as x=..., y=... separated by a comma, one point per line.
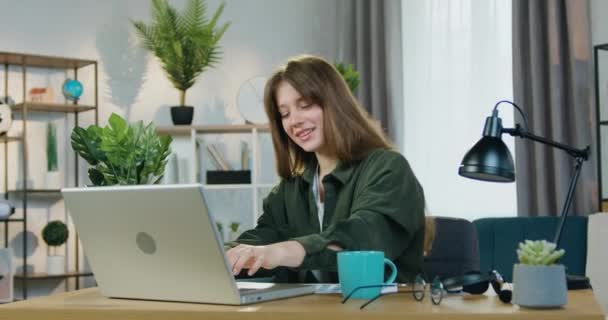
x=600, y=122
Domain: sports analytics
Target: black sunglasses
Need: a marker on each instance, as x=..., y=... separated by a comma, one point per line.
x=473, y=283
x=418, y=289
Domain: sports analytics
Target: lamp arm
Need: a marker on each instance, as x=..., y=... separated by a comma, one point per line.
x=580, y=155
x=522, y=133
x=568, y=201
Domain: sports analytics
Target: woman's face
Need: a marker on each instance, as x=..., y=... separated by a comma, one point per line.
x=302, y=120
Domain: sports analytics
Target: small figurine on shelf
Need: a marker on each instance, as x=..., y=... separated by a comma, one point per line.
x=55, y=234
x=41, y=94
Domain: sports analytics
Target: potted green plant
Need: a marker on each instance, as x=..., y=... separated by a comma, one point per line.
x=55, y=234
x=220, y=230
x=234, y=230
x=53, y=177
x=538, y=281
x=350, y=75
x=122, y=153
x=186, y=45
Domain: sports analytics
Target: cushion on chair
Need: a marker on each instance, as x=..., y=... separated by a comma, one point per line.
x=499, y=237
x=454, y=251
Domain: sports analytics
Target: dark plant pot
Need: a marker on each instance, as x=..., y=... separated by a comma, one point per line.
x=182, y=115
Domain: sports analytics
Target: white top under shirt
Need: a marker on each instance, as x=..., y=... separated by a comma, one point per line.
x=317, y=194
x=320, y=211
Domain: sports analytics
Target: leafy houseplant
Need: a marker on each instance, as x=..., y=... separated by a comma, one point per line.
x=350, y=75
x=186, y=45
x=55, y=234
x=53, y=178
x=122, y=153
x=234, y=230
x=51, y=147
x=220, y=229
x=539, y=282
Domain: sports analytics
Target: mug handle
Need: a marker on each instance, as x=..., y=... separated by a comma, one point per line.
x=393, y=276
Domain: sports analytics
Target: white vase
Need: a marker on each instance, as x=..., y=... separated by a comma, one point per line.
x=233, y=235
x=171, y=175
x=6, y=269
x=29, y=184
x=53, y=180
x=539, y=286
x=55, y=265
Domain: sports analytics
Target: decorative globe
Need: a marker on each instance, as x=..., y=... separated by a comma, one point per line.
x=72, y=89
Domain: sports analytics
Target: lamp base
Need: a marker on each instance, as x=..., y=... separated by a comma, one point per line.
x=576, y=282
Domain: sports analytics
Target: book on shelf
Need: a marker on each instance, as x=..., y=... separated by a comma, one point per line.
x=214, y=161
x=217, y=157
x=244, y=156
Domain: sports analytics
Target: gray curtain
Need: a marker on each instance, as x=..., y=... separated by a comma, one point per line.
x=552, y=82
x=370, y=39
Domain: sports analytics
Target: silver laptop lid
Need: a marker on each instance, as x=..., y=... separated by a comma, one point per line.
x=152, y=242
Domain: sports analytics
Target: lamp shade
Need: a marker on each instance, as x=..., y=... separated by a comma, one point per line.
x=488, y=160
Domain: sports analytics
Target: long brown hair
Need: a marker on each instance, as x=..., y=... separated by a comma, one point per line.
x=349, y=131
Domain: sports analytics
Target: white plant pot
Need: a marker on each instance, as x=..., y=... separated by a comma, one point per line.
x=29, y=184
x=53, y=180
x=6, y=269
x=539, y=286
x=55, y=265
x=232, y=235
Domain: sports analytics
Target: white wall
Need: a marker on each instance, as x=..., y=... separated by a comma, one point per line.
x=131, y=82
x=457, y=64
x=599, y=24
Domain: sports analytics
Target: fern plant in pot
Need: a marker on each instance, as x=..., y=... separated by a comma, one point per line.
x=538, y=280
x=186, y=45
x=55, y=234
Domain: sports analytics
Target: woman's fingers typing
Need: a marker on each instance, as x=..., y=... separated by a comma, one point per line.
x=257, y=264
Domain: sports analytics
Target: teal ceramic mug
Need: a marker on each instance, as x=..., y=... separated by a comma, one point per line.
x=363, y=268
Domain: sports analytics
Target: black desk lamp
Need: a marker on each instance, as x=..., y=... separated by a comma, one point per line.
x=491, y=160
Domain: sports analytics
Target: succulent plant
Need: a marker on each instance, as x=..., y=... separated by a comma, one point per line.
x=234, y=226
x=540, y=252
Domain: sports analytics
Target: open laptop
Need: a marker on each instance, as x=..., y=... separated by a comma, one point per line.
x=158, y=242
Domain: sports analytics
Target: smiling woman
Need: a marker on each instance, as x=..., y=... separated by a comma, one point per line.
x=342, y=188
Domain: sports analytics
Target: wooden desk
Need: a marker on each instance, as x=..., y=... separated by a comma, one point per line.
x=89, y=304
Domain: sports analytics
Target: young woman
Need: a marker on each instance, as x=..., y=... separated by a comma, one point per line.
x=342, y=186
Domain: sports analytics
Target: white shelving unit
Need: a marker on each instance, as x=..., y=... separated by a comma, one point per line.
x=196, y=132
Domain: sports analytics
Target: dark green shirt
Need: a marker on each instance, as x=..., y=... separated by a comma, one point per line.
x=373, y=204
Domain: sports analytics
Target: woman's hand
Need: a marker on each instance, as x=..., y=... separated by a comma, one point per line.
x=288, y=254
